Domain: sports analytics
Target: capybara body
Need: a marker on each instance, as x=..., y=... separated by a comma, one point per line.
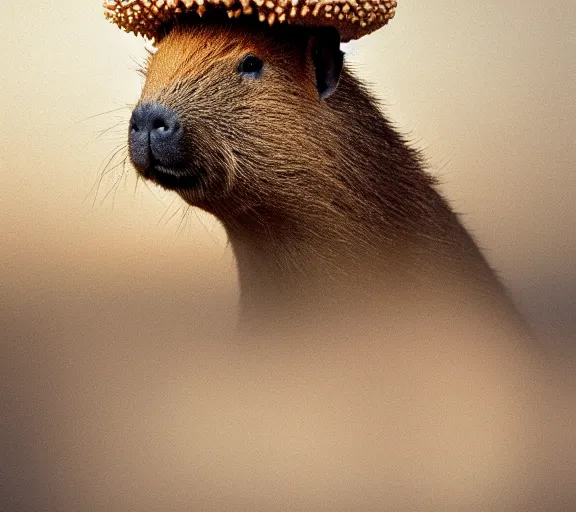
x=380, y=364
x=326, y=206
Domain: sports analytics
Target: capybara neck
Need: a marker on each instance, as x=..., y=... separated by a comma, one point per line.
x=362, y=220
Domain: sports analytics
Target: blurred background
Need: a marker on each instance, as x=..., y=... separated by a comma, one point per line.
x=103, y=279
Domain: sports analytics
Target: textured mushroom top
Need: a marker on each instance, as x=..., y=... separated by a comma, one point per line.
x=353, y=18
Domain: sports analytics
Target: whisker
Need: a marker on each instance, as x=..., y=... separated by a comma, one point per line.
x=101, y=173
x=190, y=218
x=99, y=115
x=183, y=216
x=145, y=182
x=106, y=169
x=123, y=177
x=210, y=234
x=165, y=212
x=135, y=182
x=113, y=188
x=133, y=59
x=106, y=130
x=173, y=215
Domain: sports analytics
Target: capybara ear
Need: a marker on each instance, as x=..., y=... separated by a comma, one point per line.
x=328, y=59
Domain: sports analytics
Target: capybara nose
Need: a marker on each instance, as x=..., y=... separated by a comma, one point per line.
x=156, y=137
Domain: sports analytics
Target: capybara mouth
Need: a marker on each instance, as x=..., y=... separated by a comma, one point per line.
x=172, y=178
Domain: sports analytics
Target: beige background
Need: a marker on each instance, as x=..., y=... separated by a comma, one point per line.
x=99, y=276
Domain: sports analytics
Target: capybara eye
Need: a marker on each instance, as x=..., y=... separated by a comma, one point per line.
x=251, y=65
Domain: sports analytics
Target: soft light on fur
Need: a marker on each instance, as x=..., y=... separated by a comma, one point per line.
x=327, y=207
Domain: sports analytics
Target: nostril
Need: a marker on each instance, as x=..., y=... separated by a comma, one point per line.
x=160, y=124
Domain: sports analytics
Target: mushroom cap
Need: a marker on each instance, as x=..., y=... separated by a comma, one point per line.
x=353, y=18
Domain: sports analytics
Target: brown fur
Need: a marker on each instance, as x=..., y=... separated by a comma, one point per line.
x=325, y=204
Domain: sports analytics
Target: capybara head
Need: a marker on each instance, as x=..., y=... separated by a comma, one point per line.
x=233, y=116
